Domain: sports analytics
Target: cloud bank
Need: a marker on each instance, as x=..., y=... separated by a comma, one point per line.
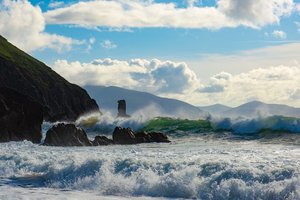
x=277, y=84
x=24, y=25
x=160, y=77
x=139, y=13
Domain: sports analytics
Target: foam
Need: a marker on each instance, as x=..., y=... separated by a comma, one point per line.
x=188, y=168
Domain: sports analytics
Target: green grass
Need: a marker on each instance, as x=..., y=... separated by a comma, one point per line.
x=25, y=62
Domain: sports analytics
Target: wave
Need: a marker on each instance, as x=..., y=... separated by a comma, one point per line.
x=95, y=124
x=241, y=126
x=146, y=176
x=273, y=124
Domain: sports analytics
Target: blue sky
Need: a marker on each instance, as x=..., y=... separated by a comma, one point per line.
x=182, y=44
x=218, y=43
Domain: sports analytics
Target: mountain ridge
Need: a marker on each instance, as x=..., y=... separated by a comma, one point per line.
x=107, y=97
x=254, y=109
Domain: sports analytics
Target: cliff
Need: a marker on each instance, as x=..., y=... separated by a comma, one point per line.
x=20, y=117
x=60, y=99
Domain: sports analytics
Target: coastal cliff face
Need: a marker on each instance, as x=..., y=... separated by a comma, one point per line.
x=60, y=99
x=20, y=117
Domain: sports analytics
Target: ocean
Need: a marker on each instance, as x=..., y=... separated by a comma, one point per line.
x=195, y=165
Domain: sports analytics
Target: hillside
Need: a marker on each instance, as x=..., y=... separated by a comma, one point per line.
x=143, y=102
x=60, y=99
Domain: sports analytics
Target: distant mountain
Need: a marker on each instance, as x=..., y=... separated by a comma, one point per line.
x=215, y=109
x=257, y=108
x=142, y=102
x=27, y=76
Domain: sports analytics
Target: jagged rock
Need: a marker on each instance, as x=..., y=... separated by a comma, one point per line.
x=102, y=140
x=60, y=99
x=142, y=137
x=127, y=136
x=158, y=137
x=20, y=117
x=66, y=135
x=122, y=109
x=123, y=136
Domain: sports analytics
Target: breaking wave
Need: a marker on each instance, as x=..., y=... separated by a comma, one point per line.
x=125, y=171
x=105, y=124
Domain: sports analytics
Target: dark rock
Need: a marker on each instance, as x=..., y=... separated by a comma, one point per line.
x=123, y=136
x=66, y=135
x=127, y=136
x=122, y=109
x=158, y=137
x=142, y=137
x=20, y=117
x=60, y=99
x=102, y=140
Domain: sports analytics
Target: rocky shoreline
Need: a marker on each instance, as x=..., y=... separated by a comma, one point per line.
x=69, y=135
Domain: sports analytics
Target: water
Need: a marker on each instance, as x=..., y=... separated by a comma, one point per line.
x=194, y=167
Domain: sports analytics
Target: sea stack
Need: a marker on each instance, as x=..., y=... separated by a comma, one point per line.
x=122, y=109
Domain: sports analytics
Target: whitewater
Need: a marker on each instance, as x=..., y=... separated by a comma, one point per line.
x=194, y=165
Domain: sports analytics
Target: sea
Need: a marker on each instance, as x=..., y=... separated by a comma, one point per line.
x=197, y=164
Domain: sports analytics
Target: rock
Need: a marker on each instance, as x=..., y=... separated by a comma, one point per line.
x=122, y=109
x=60, y=99
x=102, y=140
x=20, y=117
x=66, y=135
x=158, y=137
x=127, y=136
x=123, y=136
x=142, y=137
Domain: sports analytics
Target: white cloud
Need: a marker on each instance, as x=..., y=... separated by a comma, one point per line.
x=279, y=34
x=273, y=85
x=55, y=4
x=278, y=84
x=107, y=44
x=155, y=76
x=24, y=25
x=139, y=13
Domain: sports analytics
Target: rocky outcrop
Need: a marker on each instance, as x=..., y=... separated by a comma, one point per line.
x=66, y=135
x=158, y=137
x=60, y=99
x=70, y=135
x=144, y=137
x=127, y=136
x=122, y=109
x=124, y=136
x=102, y=140
x=20, y=117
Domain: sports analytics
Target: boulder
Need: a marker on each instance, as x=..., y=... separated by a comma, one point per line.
x=66, y=135
x=20, y=117
x=123, y=136
x=102, y=140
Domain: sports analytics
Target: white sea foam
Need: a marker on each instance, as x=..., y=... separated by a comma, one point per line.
x=188, y=168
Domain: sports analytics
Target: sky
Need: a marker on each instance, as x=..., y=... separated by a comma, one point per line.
x=200, y=51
